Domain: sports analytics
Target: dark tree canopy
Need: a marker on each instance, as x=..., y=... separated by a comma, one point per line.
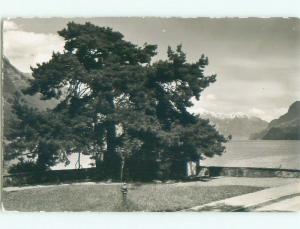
x=116, y=105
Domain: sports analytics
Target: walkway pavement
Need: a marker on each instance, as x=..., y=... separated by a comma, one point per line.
x=264, y=182
x=282, y=198
x=291, y=204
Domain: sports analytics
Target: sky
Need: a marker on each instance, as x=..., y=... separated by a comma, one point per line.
x=257, y=61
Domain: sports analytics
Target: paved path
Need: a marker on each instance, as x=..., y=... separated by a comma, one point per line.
x=282, y=198
x=290, y=204
x=265, y=182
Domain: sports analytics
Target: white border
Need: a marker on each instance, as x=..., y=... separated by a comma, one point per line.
x=165, y=8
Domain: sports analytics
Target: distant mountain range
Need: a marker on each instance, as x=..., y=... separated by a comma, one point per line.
x=286, y=127
x=240, y=126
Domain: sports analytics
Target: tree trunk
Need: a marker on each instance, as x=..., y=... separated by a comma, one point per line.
x=122, y=170
x=191, y=169
x=112, y=161
x=179, y=169
x=197, y=167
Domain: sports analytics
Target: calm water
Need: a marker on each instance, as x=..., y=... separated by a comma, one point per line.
x=261, y=153
x=267, y=154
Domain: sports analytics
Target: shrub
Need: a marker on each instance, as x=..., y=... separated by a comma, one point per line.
x=25, y=167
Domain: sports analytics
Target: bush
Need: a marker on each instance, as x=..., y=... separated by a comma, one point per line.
x=25, y=167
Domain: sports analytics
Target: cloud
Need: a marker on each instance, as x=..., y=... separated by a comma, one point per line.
x=227, y=104
x=267, y=62
x=210, y=97
x=256, y=60
x=25, y=49
x=275, y=112
x=257, y=112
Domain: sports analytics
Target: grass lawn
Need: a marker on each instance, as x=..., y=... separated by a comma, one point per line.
x=145, y=197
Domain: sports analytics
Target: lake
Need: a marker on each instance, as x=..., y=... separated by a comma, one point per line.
x=259, y=153
x=243, y=153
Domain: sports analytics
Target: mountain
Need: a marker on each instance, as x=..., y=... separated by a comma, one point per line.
x=238, y=125
x=286, y=127
x=13, y=82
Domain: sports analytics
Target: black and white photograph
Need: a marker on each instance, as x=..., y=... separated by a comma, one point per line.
x=151, y=114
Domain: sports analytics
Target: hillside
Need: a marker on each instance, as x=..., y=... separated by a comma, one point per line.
x=13, y=82
x=239, y=126
x=286, y=127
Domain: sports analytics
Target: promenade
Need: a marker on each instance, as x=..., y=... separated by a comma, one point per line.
x=285, y=198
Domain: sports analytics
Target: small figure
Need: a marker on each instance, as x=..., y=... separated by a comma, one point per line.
x=124, y=191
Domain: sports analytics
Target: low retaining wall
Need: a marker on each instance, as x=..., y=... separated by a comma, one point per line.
x=92, y=174
x=51, y=176
x=251, y=172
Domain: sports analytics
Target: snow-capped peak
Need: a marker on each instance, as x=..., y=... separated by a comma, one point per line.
x=225, y=115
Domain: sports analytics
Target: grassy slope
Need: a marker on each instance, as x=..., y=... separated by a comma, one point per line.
x=146, y=197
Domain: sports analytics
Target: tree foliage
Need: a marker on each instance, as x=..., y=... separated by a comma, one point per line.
x=116, y=105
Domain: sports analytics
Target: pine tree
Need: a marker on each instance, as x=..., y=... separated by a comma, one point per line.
x=176, y=135
x=118, y=106
x=96, y=69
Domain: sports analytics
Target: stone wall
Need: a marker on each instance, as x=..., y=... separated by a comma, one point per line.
x=92, y=174
x=51, y=177
x=252, y=172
